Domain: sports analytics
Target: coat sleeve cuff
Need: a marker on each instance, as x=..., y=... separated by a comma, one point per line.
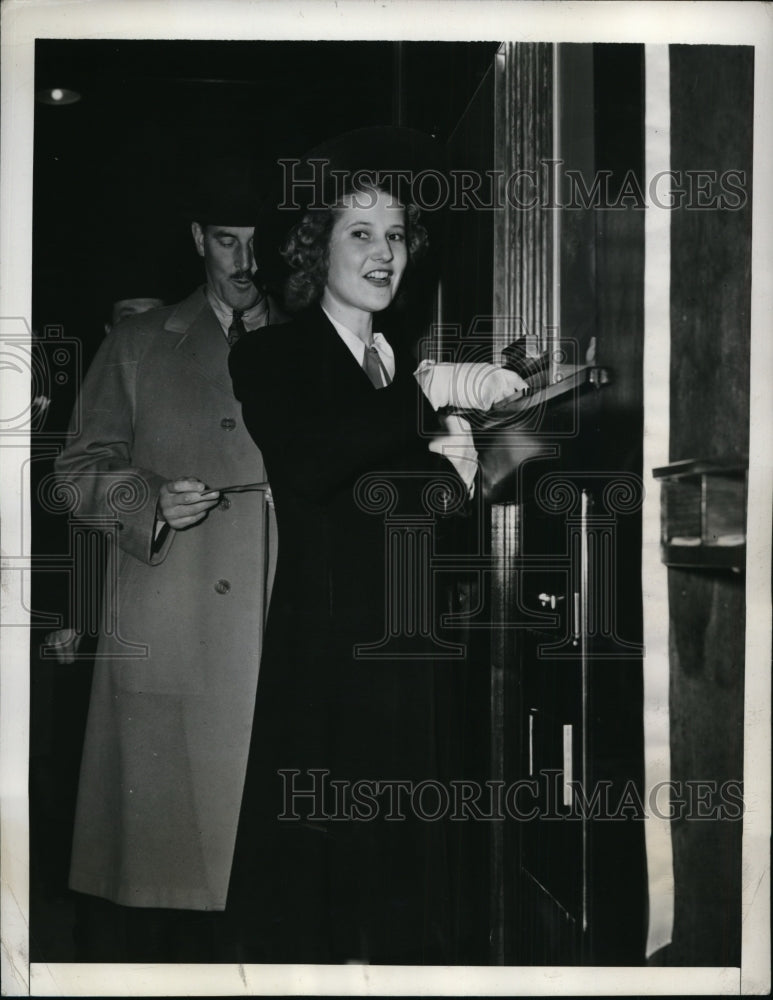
x=137, y=533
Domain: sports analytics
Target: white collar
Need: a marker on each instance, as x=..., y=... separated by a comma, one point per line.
x=357, y=347
x=255, y=316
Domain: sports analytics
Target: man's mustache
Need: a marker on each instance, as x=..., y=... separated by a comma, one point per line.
x=241, y=276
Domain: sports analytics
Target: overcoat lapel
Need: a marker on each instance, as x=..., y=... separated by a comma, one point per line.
x=201, y=343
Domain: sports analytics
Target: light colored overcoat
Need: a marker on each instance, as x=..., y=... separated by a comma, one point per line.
x=174, y=680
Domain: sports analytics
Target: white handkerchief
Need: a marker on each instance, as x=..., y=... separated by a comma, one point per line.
x=468, y=385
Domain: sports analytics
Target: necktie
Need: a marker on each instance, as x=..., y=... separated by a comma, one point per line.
x=237, y=328
x=374, y=367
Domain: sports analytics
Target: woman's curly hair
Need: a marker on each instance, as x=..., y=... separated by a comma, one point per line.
x=305, y=251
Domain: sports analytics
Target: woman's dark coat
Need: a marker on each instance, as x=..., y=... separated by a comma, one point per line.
x=346, y=462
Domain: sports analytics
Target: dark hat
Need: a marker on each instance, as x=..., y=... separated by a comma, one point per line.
x=398, y=159
x=386, y=154
x=226, y=191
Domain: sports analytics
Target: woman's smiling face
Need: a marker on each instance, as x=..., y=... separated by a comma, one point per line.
x=367, y=252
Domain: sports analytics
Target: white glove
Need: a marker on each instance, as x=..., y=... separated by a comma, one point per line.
x=467, y=385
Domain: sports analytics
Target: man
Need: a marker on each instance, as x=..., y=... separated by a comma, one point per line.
x=160, y=445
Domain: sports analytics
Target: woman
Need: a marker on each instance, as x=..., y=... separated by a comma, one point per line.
x=348, y=871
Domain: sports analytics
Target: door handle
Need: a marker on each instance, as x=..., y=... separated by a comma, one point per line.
x=576, y=632
x=568, y=770
x=550, y=599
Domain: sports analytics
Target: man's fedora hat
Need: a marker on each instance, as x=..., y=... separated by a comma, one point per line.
x=227, y=191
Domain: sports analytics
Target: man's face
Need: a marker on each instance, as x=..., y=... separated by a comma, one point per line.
x=229, y=262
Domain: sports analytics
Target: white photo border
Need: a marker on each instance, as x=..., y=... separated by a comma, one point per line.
x=421, y=20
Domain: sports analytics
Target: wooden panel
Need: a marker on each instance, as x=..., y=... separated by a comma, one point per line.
x=707, y=612
x=711, y=131
x=711, y=98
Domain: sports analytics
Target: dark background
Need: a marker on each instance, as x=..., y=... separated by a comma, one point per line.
x=112, y=170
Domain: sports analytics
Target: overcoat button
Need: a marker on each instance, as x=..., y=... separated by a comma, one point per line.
x=224, y=504
x=222, y=586
x=120, y=525
x=228, y=423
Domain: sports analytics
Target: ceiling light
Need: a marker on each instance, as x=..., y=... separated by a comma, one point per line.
x=58, y=95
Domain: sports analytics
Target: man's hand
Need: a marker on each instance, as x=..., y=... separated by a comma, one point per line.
x=64, y=644
x=184, y=502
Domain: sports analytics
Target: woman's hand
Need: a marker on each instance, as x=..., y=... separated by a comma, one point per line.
x=184, y=502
